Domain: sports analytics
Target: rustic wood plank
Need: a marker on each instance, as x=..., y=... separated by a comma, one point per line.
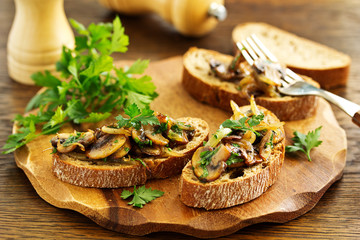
x=298, y=188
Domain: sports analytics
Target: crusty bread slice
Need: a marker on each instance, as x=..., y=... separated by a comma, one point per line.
x=204, y=86
x=234, y=186
x=327, y=66
x=114, y=174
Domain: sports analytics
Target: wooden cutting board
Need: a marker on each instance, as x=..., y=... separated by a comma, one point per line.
x=297, y=190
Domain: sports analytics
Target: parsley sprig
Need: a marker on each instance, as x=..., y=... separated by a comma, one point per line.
x=141, y=196
x=137, y=117
x=205, y=159
x=244, y=123
x=91, y=90
x=305, y=143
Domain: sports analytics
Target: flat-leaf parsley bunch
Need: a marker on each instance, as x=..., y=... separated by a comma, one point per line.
x=93, y=86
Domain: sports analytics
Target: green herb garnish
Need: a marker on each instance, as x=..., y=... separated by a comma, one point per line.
x=72, y=139
x=205, y=159
x=234, y=158
x=271, y=142
x=91, y=90
x=244, y=123
x=139, y=160
x=141, y=196
x=176, y=129
x=137, y=117
x=305, y=143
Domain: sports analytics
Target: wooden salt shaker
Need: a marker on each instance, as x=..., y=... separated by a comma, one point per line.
x=189, y=17
x=39, y=31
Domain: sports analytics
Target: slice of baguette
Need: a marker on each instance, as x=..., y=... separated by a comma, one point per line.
x=204, y=86
x=114, y=174
x=234, y=186
x=325, y=65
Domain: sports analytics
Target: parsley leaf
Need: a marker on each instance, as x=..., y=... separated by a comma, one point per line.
x=141, y=196
x=234, y=158
x=137, y=117
x=244, y=123
x=305, y=143
x=205, y=159
x=91, y=90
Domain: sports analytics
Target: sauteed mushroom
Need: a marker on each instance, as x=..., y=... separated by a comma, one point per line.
x=178, y=136
x=154, y=150
x=265, y=145
x=216, y=165
x=105, y=146
x=139, y=136
x=115, y=130
x=122, y=151
x=67, y=142
x=156, y=138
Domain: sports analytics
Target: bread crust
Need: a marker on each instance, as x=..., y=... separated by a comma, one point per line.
x=227, y=191
x=328, y=76
x=218, y=93
x=101, y=174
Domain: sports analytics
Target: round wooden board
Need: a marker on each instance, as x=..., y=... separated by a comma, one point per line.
x=298, y=188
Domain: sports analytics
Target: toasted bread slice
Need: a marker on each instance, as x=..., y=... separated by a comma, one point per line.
x=327, y=66
x=124, y=172
x=199, y=80
x=235, y=185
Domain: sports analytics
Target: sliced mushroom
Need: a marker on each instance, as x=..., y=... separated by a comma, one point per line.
x=178, y=137
x=115, y=130
x=122, y=151
x=216, y=165
x=265, y=145
x=235, y=150
x=139, y=137
x=105, y=146
x=156, y=138
x=66, y=142
x=186, y=127
x=247, y=152
x=278, y=135
x=65, y=149
x=154, y=150
x=223, y=72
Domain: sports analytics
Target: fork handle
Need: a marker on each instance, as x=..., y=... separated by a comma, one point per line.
x=356, y=118
x=352, y=109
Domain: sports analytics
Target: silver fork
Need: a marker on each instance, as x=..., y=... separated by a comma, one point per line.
x=292, y=84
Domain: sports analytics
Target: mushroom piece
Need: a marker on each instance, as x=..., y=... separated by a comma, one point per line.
x=139, y=136
x=235, y=150
x=265, y=145
x=245, y=150
x=105, y=146
x=122, y=151
x=226, y=73
x=278, y=135
x=216, y=164
x=154, y=150
x=67, y=142
x=156, y=138
x=115, y=130
x=178, y=136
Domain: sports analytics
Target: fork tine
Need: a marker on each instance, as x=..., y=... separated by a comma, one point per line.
x=249, y=50
x=264, y=49
x=291, y=75
x=246, y=55
x=255, y=48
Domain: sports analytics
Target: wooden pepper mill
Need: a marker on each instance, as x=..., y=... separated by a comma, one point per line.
x=189, y=17
x=39, y=31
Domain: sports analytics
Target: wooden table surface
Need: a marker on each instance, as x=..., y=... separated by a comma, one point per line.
x=23, y=214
